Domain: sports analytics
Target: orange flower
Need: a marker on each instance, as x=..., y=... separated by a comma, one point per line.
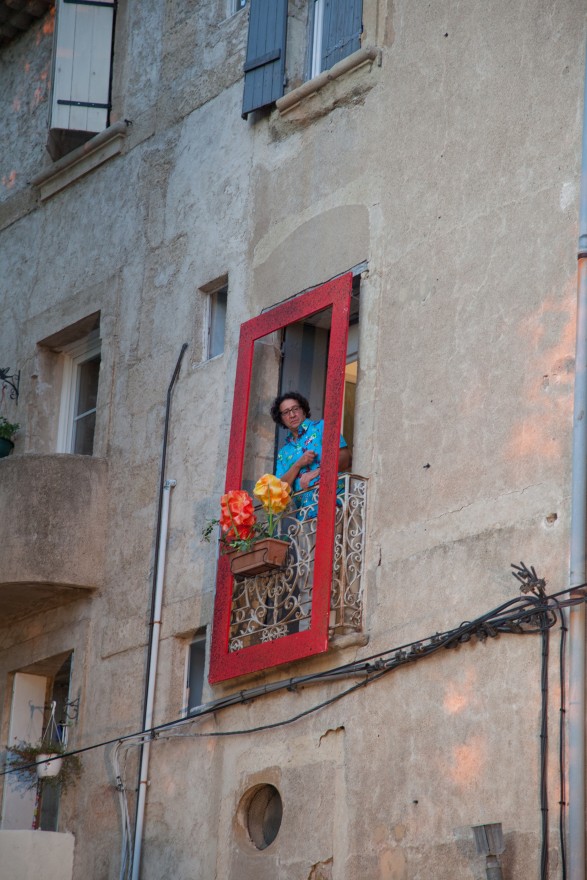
x=237, y=516
x=272, y=493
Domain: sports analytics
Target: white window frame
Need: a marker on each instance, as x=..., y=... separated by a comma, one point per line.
x=74, y=356
x=317, y=34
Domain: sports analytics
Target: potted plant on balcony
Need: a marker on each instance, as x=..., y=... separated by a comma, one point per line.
x=7, y=432
x=251, y=544
x=44, y=762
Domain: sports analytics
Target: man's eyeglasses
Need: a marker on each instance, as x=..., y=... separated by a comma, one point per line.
x=291, y=411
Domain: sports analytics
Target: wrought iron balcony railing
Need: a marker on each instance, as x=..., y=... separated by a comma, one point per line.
x=271, y=606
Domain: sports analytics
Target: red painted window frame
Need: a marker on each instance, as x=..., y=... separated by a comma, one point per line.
x=224, y=664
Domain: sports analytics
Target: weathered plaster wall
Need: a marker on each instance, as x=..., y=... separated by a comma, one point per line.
x=452, y=170
x=51, y=537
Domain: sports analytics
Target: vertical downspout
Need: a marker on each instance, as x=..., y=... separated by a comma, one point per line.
x=151, y=677
x=578, y=572
x=165, y=487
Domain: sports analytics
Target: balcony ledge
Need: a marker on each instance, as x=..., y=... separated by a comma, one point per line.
x=52, y=530
x=46, y=854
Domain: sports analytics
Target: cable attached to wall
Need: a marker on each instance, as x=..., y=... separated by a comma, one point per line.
x=533, y=613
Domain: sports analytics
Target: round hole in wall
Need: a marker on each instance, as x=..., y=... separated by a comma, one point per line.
x=262, y=811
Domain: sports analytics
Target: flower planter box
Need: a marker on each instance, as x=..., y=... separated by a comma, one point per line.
x=264, y=556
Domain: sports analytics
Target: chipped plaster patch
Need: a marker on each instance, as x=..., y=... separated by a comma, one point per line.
x=567, y=195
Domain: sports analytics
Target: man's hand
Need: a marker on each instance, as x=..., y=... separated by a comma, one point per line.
x=307, y=478
x=306, y=459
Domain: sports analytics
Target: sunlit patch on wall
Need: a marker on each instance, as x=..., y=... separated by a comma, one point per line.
x=40, y=92
x=468, y=762
x=48, y=26
x=460, y=695
x=9, y=180
x=547, y=337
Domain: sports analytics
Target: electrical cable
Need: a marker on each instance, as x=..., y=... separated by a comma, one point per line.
x=544, y=637
x=488, y=625
x=562, y=744
x=126, y=858
x=533, y=613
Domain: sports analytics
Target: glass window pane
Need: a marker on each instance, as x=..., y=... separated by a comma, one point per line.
x=217, y=322
x=83, y=434
x=197, y=663
x=88, y=373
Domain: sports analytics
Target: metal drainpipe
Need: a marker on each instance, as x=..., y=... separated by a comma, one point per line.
x=165, y=487
x=146, y=750
x=578, y=573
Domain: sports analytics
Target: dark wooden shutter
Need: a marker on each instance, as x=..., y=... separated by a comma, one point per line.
x=265, y=64
x=341, y=30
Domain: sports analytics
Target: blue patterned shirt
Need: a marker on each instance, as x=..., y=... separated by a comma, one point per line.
x=309, y=438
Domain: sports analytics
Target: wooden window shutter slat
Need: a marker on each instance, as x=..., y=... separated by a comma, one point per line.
x=342, y=28
x=82, y=64
x=265, y=61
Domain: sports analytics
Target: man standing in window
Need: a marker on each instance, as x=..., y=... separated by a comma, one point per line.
x=298, y=461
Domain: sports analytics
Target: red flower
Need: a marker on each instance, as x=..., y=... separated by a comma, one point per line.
x=237, y=516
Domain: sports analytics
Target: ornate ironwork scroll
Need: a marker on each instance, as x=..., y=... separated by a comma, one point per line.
x=271, y=606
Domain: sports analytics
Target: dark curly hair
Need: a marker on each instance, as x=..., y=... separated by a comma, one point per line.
x=290, y=395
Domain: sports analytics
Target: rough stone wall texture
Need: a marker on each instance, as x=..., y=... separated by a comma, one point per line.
x=453, y=169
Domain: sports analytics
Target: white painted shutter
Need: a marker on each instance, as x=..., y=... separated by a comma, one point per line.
x=26, y=725
x=82, y=64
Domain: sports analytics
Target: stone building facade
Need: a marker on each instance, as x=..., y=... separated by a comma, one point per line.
x=429, y=171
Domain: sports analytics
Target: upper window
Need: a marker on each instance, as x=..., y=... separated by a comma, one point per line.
x=77, y=420
x=335, y=28
x=82, y=59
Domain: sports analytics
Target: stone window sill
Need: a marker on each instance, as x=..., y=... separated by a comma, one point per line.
x=363, y=56
x=69, y=168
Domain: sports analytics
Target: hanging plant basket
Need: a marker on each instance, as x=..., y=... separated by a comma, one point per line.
x=49, y=766
x=6, y=447
x=263, y=557
x=46, y=763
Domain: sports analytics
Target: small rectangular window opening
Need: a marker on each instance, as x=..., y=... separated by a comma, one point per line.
x=216, y=322
x=196, y=664
x=79, y=397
